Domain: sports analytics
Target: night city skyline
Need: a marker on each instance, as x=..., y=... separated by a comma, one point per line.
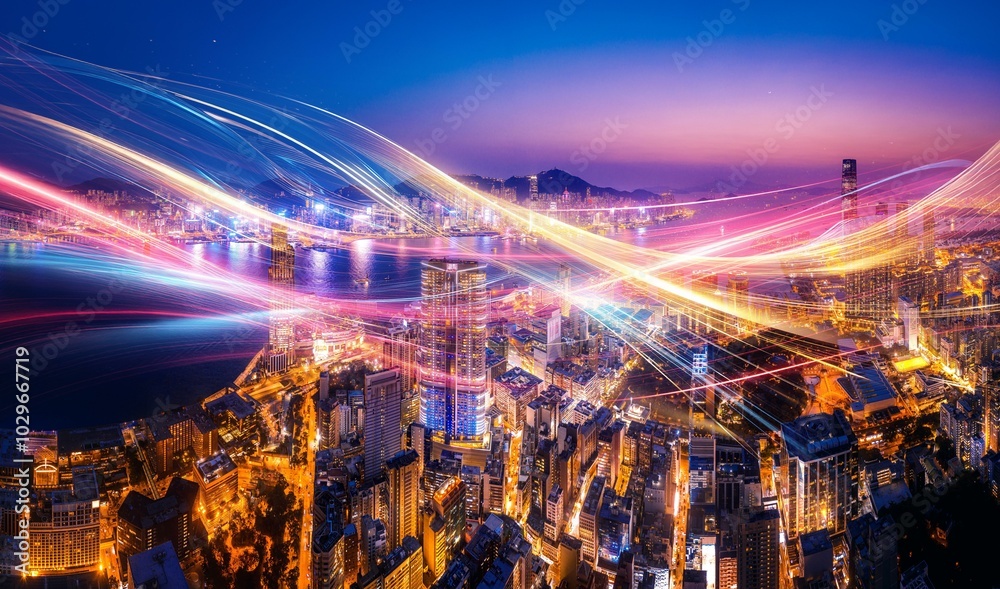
x=557, y=295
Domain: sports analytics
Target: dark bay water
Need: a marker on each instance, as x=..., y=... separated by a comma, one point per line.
x=158, y=341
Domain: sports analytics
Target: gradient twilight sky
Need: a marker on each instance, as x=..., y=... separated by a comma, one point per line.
x=563, y=69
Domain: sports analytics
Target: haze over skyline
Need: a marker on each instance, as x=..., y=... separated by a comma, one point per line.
x=632, y=96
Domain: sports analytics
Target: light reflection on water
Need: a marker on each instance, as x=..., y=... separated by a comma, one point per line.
x=160, y=341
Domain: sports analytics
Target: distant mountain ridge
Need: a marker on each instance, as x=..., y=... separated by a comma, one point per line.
x=554, y=181
x=277, y=194
x=550, y=182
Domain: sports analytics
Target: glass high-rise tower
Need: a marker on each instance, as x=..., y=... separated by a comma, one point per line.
x=849, y=190
x=451, y=358
x=281, y=275
x=819, y=472
x=868, y=278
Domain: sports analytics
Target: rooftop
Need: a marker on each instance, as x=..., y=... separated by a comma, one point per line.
x=518, y=381
x=401, y=459
x=89, y=439
x=866, y=383
x=239, y=406
x=143, y=512
x=815, y=542
x=157, y=567
x=215, y=466
x=820, y=435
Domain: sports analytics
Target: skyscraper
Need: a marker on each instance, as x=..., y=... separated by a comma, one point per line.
x=565, y=285
x=144, y=523
x=328, y=556
x=403, y=473
x=819, y=473
x=758, y=550
x=452, y=355
x=738, y=292
x=399, y=345
x=874, y=552
x=65, y=527
x=703, y=400
x=402, y=568
x=901, y=234
x=869, y=288
x=848, y=190
x=868, y=278
x=553, y=527
x=383, y=433
x=444, y=526
x=927, y=238
x=281, y=274
x=701, y=465
x=588, y=519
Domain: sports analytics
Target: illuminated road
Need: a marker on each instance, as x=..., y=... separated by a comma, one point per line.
x=512, y=474
x=574, y=521
x=305, y=489
x=146, y=469
x=680, y=521
x=300, y=478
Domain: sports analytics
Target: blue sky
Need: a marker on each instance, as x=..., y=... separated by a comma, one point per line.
x=562, y=70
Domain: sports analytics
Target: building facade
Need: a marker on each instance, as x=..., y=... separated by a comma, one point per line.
x=819, y=473
x=451, y=358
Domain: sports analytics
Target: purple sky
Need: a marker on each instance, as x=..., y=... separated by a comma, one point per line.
x=682, y=128
x=566, y=66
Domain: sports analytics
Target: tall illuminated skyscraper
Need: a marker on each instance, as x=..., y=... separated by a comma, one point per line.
x=927, y=238
x=869, y=289
x=819, y=473
x=281, y=274
x=868, y=281
x=452, y=355
x=383, y=431
x=444, y=525
x=738, y=291
x=703, y=400
x=758, y=550
x=403, y=474
x=399, y=345
x=848, y=190
x=901, y=234
x=565, y=284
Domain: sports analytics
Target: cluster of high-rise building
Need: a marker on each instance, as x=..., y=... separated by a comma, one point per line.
x=514, y=470
x=511, y=432
x=451, y=358
x=484, y=447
